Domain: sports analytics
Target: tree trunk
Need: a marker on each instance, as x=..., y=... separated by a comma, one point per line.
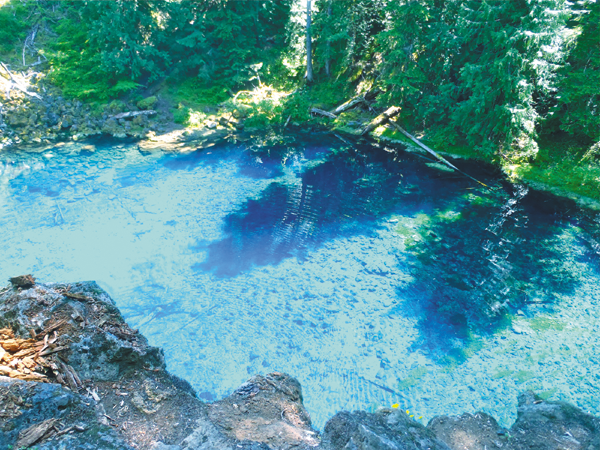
x=349, y=105
x=309, y=69
x=328, y=44
x=322, y=112
x=381, y=119
x=424, y=147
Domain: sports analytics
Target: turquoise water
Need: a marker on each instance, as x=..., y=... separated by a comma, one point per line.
x=372, y=275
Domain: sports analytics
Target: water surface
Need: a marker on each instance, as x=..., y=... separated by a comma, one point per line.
x=372, y=275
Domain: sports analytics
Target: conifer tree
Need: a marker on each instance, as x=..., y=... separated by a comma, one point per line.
x=346, y=32
x=471, y=68
x=506, y=56
x=579, y=94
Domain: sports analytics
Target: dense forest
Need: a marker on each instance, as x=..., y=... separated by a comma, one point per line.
x=511, y=82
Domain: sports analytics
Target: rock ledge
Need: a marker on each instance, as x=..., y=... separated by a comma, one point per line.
x=101, y=386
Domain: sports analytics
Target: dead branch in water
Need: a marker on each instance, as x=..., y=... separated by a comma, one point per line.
x=432, y=152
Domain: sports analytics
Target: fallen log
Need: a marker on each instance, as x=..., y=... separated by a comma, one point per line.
x=346, y=141
x=349, y=105
x=372, y=94
x=29, y=41
x=322, y=112
x=381, y=119
x=132, y=114
x=353, y=102
x=432, y=152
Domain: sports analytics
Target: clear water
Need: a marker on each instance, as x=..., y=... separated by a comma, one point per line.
x=371, y=275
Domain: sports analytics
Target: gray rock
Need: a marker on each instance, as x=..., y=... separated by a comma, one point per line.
x=26, y=404
x=387, y=429
x=124, y=397
x=478, y=431
x=553, y=426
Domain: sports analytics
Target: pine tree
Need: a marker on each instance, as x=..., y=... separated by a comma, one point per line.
x=419, y=50
x=508, y=51
x=579, y=93
x=346, y=31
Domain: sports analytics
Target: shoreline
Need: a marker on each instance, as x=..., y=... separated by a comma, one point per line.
x=49, y=120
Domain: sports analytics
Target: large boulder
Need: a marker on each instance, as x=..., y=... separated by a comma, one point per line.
x=478, y=431
x=387, y=429
x=547, y=425
x=79, y=377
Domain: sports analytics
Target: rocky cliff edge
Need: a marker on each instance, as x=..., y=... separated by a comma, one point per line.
x=74, y=375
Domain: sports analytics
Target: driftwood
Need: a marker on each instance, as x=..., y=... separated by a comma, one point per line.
x=39, y=61
x=346, y=141
x=432, y=152
x=29, y=41
x=22, y=358
x=322, y=112
x=381, y=119
x=132, y=114
x=16, y=83
x=36, y=432
x=240, y=93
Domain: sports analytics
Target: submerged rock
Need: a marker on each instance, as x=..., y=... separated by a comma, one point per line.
x=23, y=281
x=103, y=387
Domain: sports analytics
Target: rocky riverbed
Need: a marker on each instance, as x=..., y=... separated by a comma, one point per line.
x=73, y=374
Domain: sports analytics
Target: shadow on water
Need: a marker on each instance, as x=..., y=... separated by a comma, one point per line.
x=476, y=257
x=492, y=256
x=341, y=195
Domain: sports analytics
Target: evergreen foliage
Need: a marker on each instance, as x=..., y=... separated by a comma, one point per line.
x=470, y=69
x=476, y=73
x=108, y=48
x=13, y=23
x=579, y=94
x=105, y=49
x=345, y=31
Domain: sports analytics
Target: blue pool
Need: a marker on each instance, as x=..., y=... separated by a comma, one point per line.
x=371, y=274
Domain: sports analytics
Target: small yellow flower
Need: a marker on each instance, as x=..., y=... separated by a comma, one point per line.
x=420, y=417
x=407, y=411
x=412, y=415
x=395, y=405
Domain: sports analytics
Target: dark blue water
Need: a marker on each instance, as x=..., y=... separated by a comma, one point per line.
x=371, y=274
